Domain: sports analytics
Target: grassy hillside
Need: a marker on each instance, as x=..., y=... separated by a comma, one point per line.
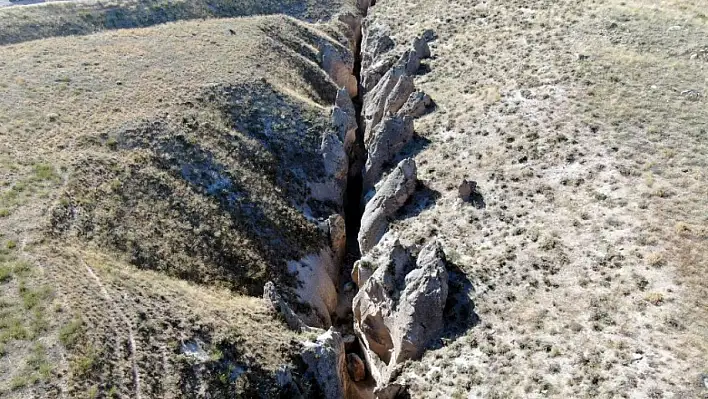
x=18, y=24
x=148, y=179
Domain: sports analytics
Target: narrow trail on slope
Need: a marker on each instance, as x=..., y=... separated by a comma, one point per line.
x=131, y=339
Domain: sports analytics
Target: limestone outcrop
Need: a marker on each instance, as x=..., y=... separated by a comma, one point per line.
x=391, y=92
x=375, y=54
x=417, y=105
x=330, y=366
x=326, y=362
x=398, y=311
x=339, y=66
x=390, y=196
x=387, y=140
x=337, y=231
x=317, y=276
x=344, y=119
x=387, y=252
x=392, y=103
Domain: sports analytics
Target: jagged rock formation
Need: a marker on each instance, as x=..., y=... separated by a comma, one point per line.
x=344, y=119
x=391, y=92
x=389, y=198
x=417, y=105
x=317, y=275
x=336, y=165
x=330, y=366
x=387, y=252
x=339, y=65
x=279, y=306
x=387, y=140
x=336, y=229
x=374, y=61
x=391, y=100
x=391, y=330
x=327, y=363
x=398, y=310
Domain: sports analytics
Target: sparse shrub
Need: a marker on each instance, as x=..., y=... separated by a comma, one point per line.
x=33, y=297
x=12, y=328
x=21, y=268
x=70, y=333
x=82, y=365
x=92, y=392
x=44, y=172
x=656, y=259
x=681, y=228
x=655, y=298
x=5, y=273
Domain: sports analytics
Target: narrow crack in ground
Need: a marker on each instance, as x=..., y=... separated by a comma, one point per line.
x=353, y=201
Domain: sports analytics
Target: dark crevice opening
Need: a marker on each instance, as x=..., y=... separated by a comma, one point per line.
x=353, y=209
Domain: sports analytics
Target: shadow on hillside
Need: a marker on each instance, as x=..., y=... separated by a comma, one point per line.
x=204, y=204
x=288, y=132
x=423, y=198
x=477, y=200
x=81, y=18
x=233, y=374
x=459, y=314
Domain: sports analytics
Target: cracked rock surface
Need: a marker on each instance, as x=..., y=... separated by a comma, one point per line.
x=393, y=193
x=399, y=309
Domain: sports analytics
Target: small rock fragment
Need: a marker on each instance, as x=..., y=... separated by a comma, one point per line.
x=417, y=105
x=692, y=95
x=420, y=45
x=278, y=305
x=356, y=367
x=466, y=189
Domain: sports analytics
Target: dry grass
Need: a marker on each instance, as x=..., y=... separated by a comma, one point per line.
x=163, y=316
x=128, y=130
x=135, y=160
x=19, y=24
x=587, y=259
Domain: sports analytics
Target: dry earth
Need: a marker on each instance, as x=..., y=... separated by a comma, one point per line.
x=584, y=125
x=126, y=271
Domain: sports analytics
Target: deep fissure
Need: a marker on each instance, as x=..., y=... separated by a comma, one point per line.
x=353, y=207
x=353, y=201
